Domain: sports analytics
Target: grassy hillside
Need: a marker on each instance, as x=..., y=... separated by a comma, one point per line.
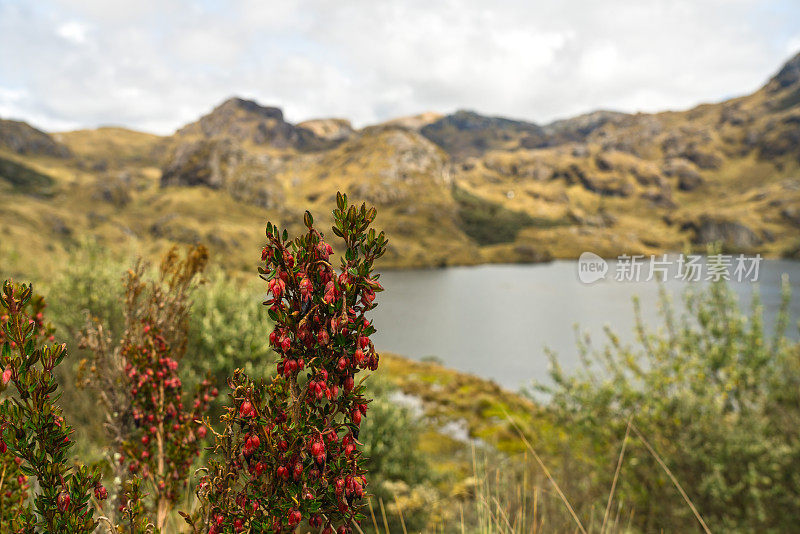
x=456, y=189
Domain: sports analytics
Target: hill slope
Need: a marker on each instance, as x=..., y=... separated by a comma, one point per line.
x=455, y=189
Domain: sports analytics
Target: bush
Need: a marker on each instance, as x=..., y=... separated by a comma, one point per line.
x=33, y=429
x=88, y=283
x=289, y=451
x=154, y=428
x=141, y=323
x=228, y=330
x=400, y=474
x=715, y=396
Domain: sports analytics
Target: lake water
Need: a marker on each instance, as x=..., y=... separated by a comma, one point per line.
x=495, y=320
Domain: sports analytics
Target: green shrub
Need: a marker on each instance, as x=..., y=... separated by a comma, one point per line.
x=229, y=329
x=400, y=473
x=718, y=399
x=90, y=282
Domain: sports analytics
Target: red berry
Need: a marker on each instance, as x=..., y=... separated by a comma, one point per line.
x=62, y=501
x=322, y=337
x=349, y=384
x=246, y=409
x=294, y=517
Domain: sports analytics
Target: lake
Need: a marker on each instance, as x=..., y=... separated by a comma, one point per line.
x=495, y=320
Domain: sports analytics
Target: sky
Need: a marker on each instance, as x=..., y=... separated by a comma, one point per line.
x=155, y=65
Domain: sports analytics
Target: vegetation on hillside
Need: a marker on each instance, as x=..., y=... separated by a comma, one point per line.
x=606, y=182
x=713, y=392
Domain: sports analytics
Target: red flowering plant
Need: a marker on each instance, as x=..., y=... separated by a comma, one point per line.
x=289, y=452
x=14, y=484
x=155, y=428
x=32, y=427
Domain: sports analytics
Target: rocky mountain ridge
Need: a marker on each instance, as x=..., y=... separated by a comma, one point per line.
x=452, y=189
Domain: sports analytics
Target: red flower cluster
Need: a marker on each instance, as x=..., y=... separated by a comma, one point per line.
x=166, y=437
x=290, y=447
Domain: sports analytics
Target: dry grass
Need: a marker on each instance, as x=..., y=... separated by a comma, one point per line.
x=411, y=180
x=518, y=494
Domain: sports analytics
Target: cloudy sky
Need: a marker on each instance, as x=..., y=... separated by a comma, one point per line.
x=157, y=64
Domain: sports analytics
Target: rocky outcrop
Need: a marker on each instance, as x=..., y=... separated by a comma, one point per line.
x=788, y=76
x=577, y=129
x=648, y=174
x=608, y=186
x=246, y=121
x=394, y=163
x=466, y=133
x=328, y=129
x=205, y=162
x=24, y=139
x=733, y=235
x=792, y=215
x=780, y=137
x=684, y=171
x=221, y=164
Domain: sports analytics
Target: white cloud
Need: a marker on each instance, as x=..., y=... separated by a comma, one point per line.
x=73, y=31
x=156, y=65
x=792, y=45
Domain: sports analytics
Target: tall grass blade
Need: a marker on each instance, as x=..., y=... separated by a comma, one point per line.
x=616, y=475
x=546, y=473
x=672, y=477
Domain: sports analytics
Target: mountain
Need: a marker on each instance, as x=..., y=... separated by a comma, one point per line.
x=252, y=124
x=466, y=133
x=22, y=138
x=461, y=188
